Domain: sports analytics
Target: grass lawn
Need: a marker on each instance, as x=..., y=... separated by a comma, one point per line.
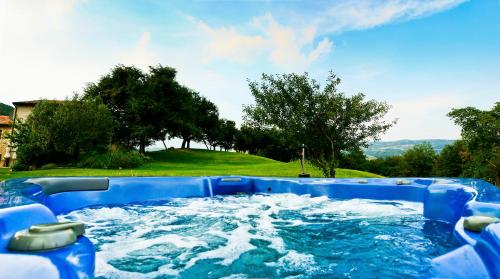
x=193, y=163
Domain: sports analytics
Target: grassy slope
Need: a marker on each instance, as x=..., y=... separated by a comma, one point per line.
x=194, y=163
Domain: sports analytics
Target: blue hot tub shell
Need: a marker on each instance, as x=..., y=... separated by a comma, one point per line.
x=26, y=202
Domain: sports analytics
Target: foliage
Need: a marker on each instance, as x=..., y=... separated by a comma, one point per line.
x=201, y=117
x=227, y=134
x=115, y=159
x=419, y=160
x=481, y=136
x=154, y=106
x=388, y=166
x=6, y=110
x=271, y=143
x=57, y=132
x=450, y=161
x=144, y=105
x=326, y=120
x=20, y=166
x=223, y=134
x=354, y=159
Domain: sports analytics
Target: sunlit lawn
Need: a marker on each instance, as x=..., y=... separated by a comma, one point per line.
x=194, y=163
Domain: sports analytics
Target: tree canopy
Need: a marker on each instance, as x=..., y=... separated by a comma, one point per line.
x=481, y=135
x=418, y=161
x=326, y=120
x=152, y=106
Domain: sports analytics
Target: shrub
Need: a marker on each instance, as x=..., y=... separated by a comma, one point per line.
x=58, y=132
x=113, y=160
x=20, y=166
x=48, y=166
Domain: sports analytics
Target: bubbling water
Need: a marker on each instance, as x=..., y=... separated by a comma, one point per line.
x=281, y=235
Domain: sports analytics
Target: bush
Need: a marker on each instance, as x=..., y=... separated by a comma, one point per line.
x=58, y=132
x=419, y=160
x=48, y=166
x=113, y=160
x=20, y=166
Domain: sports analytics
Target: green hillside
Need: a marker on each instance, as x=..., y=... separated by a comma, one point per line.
x=194, y=163
x=6, y=109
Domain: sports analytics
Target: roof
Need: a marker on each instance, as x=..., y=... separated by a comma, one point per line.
x=26, y=103
x=5, y=120
x=33, y=102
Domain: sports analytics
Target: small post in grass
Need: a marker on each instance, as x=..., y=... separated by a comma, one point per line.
x=302, y=162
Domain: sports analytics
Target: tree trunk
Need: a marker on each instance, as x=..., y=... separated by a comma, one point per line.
x=142, y=145
x=188, y=143
x=332, y=159
x=497, y=183
x=164, y=145
x=332, y=171
x=183, y=144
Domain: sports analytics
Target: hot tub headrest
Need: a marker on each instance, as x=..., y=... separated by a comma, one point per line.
x=53, y=185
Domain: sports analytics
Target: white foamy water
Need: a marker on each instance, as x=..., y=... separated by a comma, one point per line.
x=242, y=236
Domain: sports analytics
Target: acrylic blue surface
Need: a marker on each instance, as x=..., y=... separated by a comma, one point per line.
x=447, y=200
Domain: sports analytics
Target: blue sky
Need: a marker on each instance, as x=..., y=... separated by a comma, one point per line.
x=422, y=57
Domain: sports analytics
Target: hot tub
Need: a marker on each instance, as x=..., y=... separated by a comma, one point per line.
x=247, y=227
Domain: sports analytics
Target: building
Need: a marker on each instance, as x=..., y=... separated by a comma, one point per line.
x=5, y=152
x=21, y=111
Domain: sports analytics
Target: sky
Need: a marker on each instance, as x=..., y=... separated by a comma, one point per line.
x=422, y=57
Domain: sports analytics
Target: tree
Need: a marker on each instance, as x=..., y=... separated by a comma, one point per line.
x=326, y=120
x=207, y=118
x=227, y=134
x=419, y=160
x=201, y=116
x=450, y=161
x=270, y=143
x=481, y=135
x=118, y=90
x=392, y=166
x=355, y=159
x=145, y=106
x=58, y=132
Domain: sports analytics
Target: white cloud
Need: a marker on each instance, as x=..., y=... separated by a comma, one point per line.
x=227, y=43
x=355, y=15
x=292, y=46
x=284, y=46
x=323, y=48
x=141, y=56
x=287, y=44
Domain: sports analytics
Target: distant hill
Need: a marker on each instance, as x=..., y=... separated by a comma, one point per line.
x=6, y=110
x=393, y=148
